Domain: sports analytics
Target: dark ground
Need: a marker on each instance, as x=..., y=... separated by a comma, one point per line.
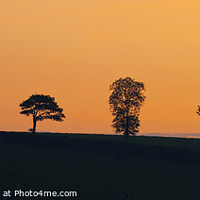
x=101, y=167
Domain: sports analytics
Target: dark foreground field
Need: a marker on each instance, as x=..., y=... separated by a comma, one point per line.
x=101, y=167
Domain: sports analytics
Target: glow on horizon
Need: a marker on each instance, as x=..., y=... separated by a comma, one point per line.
x=73, y=50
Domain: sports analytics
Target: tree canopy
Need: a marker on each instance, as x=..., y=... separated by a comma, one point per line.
x=41, y=107
x=125, y=101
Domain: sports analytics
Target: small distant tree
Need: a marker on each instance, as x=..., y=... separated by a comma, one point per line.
x=125, y=101
x=41, y=107
x=198, y=110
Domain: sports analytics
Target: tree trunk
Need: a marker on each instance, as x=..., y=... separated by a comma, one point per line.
x=34, y=125
x=126, y=138
x=126, y=130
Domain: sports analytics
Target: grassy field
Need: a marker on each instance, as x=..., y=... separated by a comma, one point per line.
x=154, y=168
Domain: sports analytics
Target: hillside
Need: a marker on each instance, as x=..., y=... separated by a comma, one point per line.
x=101, y=166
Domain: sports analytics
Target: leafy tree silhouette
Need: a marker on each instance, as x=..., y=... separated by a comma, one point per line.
x=41, y=107
x=125, y=101
x=198, y=110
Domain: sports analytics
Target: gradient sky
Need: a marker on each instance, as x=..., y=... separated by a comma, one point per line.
x=74, y=49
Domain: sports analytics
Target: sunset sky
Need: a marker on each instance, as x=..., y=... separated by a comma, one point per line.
x=74, y=49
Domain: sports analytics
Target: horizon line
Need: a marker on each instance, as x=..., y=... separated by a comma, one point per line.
x=156, y=134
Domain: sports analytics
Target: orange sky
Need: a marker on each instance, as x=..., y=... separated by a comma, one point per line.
x=73, y=50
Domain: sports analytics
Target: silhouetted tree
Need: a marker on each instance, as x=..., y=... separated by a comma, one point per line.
x=125, y=101
x=41, y=107
x=198, y=110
